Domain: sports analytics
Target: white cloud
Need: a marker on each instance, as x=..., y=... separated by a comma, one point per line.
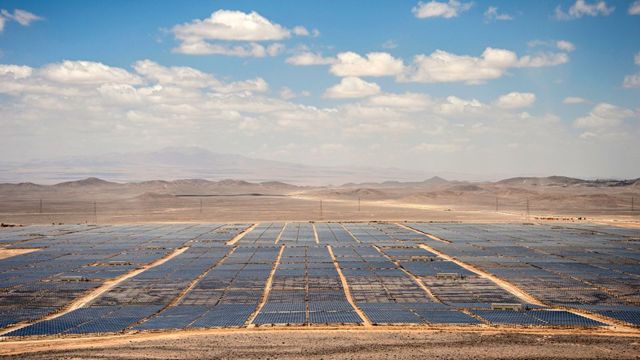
x=634, y=8
x=516, y=100
x=603, y=115
x=583, y=8
x=543, y=59
x=375, y=64
x=300, y=31
x=287, y=93
x=410, y=101
x=631, y=81
x=175, y=75
x=492, y=14
x=234, y=26
x=442, y=66
x=455, y=106
x=87, y=72
x=447, y=10
x=22, y=17
x=242, y=50
x=309, y=58
x=571, y=100
x=352, y=87
x=389, y=44
x=15, y=71
x=565, y=45
x=231, y=25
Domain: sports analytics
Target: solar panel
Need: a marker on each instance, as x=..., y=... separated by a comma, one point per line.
x=280, y=318
x=563, y=318
x=334, y=317
x=629, y=316
x=508, y=317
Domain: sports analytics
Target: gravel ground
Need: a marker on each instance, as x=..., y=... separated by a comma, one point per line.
x=362, y=345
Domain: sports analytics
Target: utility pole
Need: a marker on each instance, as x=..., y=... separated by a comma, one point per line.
x=527, y=208
x=95, y=211
x=359, y=203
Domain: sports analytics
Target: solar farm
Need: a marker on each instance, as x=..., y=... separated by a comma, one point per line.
x=72, y=280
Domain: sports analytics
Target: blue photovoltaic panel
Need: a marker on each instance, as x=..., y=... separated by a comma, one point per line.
x=629, y=316
x=508, y=317
x=335, y=317
x=447, y=317
x=280, y=318
x=225, y=315
x=563, y=318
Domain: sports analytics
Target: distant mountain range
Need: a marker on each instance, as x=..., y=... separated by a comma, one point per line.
x=191, y=163
x=177, y=163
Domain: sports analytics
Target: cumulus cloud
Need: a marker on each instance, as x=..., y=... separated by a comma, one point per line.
x=603, y=115
x=372, y=64
x=583, y=8
x=15, y=71
x=571, y=100
x=447, y=10
x=543, y=59
x=308, y=58
x=22, y=17
x=565, y=45
x=241, y=50
x=634, y=8
x=352, y=87
x=87, y=73
x=516, y=100
x=492, y=14
x=441, y=66
x=233, y=26
x=407, y=101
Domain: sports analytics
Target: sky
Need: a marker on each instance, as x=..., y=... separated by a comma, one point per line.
x=489, y=88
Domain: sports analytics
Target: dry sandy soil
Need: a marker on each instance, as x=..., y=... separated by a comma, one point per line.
x=529, y=199
x=351, y=344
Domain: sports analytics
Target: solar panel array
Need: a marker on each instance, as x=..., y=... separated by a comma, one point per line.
x=215, y=282
x=594, y=268
x=306, y=289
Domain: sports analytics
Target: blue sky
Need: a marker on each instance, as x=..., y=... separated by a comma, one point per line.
x=556, y=91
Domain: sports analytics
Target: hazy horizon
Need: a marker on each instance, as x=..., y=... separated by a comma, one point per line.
x=484, y=89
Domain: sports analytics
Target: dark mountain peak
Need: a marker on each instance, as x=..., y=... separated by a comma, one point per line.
x=90, y=181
